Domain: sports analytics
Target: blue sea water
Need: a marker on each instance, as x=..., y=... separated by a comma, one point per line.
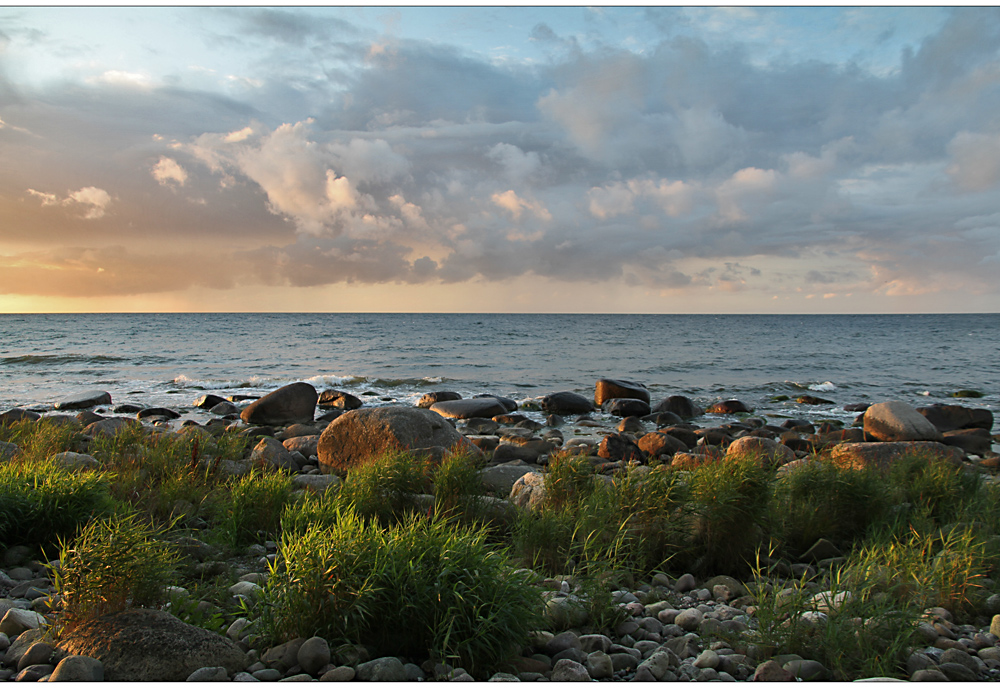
x=171, y=359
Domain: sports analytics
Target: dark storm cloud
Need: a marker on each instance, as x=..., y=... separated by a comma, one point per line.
x=371, y=159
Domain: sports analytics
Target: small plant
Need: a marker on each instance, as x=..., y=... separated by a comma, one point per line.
x=728, y=507
x=385, y=487
x=113, y=564
x=251, y=510
x=569, y=481
x=938, y=488
x=419, y=588
x=41, y=502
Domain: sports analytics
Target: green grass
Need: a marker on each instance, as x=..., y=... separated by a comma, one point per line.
x=418, y=588
x=41, y=502
x=111, y=565
x=251, y=511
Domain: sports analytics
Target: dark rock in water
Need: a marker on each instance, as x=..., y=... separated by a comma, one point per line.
x=625, y=407
x=338, y=399
x=15, y=415
x=294, y=403
x=554, y=420
x=509, y=418
x=798, y=425
x=566, y=403
x=967, y=394
x=896, y=421
x=329, y=416
x=481, y=407
x=631, y=425
x=240, y=397
x=812, y=401
x=82, y=401
x=681, y=405
x=127, y=408
x=620, y=448
x=360, y=435
x=207, y=401
x=948, y=417
x=431, y=398
x=158, y=411
x=151, y=645
x=509, y=405
x=685, y=435
x=224, y=408
x=481, y=426
x=663, y=419
x=857, y=408
x=730, y=407
x=883, y=454
x=619, y=389
x=87, y=417
x=971, y=440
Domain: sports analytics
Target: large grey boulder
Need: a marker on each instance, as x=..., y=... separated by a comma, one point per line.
x=363, y=434
x=566, y=403
x=896, y=421
x=151, y=645
x=82, y=400
x=484, y=407
x=619, y=389
x=294, y=403
x=768, y=452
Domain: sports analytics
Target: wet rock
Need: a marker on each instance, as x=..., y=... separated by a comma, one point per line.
x=566, y=404
x=431, y=398
x=509, y=405
x=896, y=421
x=810, y=400
x=157, y=411
x=485, y=407
x=225, y=408
x=730, y=407
x=294, y=403
x=607, y=388
x=208, y=401
x=83, y=400
x=625, y=407
x=338, y=399
x=682, y=406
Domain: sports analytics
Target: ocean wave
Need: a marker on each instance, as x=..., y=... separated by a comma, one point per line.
x=50, y=359
x=253, y=382
x=823, y=387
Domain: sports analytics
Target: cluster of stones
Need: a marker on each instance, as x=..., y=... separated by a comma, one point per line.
x=675, y=625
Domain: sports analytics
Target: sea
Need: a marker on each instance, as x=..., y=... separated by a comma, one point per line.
x=172, y=359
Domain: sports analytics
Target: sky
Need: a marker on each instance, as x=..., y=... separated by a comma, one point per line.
x=493, y=159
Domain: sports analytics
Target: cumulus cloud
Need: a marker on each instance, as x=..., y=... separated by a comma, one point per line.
x=688, y=165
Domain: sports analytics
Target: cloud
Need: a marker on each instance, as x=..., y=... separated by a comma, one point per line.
x=975, y=162
x=94, y=200
x=167, y=172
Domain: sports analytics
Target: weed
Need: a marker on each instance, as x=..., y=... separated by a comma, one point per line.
x=457, y=599
x=251, y=511
x=113, y=564
x=384, y=487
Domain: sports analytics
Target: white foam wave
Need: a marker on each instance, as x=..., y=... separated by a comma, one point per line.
x=823, y=387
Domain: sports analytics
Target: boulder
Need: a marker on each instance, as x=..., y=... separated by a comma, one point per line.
x=883, y=454
x=340, y=400
x=483, y=407
x=78, y=668
x=150, y=645
x=660, y=444
x=619, y=389
x=74, y=461
x=207, y=401
x=948, y=417
x=728, y=407
x=509, y=405
x=528, y=452
x=770, y=453
x=625, y=407
x=82, y=400
x=157, y=411
x=272, y=452
x=566, y=404
x=431, y=398
x=681, y=405
x=109, y=427
x=528, y=491
x=224, y=408
x=363, y=434
x=294, y=403
x=17, y=415
x=303, y=444
x=617, y=447
x=896, y=421
x=500, y=479
x=970, y=440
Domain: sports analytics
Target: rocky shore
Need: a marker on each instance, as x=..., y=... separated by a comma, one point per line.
x=671, y=627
